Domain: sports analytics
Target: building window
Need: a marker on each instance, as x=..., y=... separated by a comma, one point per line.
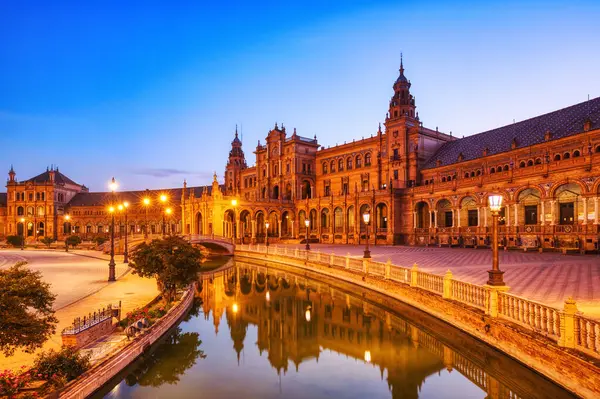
x=345, y=189
x=40, y=211
x=358, y=161
x=30, y=196
x=29, y=211
x=20, y=211
x=567, y=213
x=349, y=162
x=332, y=166
x=448, y=222
x=327, y=190
x=531, y=216
x=395, y=174
x=396, y=156
x=340, y=165
x=472, y=217
x=368, y=159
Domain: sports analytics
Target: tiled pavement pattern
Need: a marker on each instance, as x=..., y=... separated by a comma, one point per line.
x=547, y=277
x=79, y=279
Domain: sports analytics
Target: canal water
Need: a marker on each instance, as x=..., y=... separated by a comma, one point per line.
x=259, y=332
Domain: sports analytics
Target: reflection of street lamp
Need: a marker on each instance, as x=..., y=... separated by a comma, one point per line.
x=111, y=265
x=307, y=224
x=235, y=308
x=307, y=314
x=67, y=217
x=146, y=203
x=495, y=275
x=268, y=295
x=267, y=233
x=234, y=204
x=368, y=356
x=23, y=231
x=367, y=219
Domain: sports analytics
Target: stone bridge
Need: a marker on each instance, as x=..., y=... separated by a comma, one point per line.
x=212, y=242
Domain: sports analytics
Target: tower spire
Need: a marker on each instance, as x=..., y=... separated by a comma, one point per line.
x=401, y=65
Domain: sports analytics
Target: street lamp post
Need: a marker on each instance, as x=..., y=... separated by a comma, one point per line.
x=307, y=224
x=367, y=219
x=67, y=218
x=163, y=199
x=495, y=275
x=125, y=252
x=146, y=203
x=111, y=265
x=23, y=234
x=234, y=204
x=267, y=233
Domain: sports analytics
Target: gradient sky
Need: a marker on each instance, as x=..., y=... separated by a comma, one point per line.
x=151, y=92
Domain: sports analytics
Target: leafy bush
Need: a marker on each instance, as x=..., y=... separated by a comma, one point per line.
x=73, y=240
x=68, y=362
x=100, y=240
x=47, y=241
x=15, y=241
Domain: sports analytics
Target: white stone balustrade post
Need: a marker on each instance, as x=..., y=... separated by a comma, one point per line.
x=296, y=252
x=331, y=259
x=447, y=292
x=567, y=324
x=388, y=269
x=458, y=217
x=414, y=274
x=348, y=261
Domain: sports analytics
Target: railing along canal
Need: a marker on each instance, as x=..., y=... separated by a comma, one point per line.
x=567, y=327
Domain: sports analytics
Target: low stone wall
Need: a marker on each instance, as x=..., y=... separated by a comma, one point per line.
x=90, y=334
x=100, y=374
x=569, y=368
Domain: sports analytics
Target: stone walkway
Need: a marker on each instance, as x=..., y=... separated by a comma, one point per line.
x=549, y=278
x=80, y=281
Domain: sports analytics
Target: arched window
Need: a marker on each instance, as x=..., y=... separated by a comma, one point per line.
x=426, y=182
x=332, y=166
x=40, y=211
x=557, y=157
x=576, y=153
x=505, y=168
x=530, y=162
x=566, y=155
x=492, y=170
x=478, y=173
x=598, y=149
x=522, y=164
x=358, y=161
x=324, y=167
x=349, y=162
x=340, y=165
x=20, y=211
x=368, y=159
x=443, y=179
x=29, y=211
x=538, y=161
x=466, y=175
x=472, y=174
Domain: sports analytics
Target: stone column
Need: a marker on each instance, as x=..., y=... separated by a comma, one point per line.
x=485, y=217
x=543, y=213
x=280, y=221
x=585, y=210
x=414, y=220
x=453, y=224
x=596, y=218
x=253, y=228
x=507, y=211
x=458, y=217
x=435, y=213
x=431, y=220
x=478, y=217
x=516, y=216
x=553, y=212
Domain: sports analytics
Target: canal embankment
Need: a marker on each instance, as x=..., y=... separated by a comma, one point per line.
x=549, y=341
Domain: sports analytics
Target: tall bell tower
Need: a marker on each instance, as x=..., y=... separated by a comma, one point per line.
x=235, y=164
x=402, y=131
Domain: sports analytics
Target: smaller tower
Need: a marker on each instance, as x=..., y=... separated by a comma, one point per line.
x=11, y=175
x=235, y=164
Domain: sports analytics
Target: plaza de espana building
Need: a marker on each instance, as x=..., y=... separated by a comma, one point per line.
x=420, y=186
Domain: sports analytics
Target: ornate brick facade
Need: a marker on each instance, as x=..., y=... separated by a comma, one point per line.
x=421, y=187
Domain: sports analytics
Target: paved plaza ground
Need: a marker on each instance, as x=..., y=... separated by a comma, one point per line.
x=79, y=278
x=549, y=278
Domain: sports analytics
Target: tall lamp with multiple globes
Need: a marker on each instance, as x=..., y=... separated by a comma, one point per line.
x=495, y=275
x=367, y=220
x=307, y=224
x=111, y=265
x=125, y=252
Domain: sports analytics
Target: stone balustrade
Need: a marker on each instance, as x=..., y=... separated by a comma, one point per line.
x=566, y=327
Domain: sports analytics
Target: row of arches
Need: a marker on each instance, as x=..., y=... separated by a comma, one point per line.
x=347, y=163
x=567, y=206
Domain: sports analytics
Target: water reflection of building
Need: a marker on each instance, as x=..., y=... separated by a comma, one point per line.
x=277, y=303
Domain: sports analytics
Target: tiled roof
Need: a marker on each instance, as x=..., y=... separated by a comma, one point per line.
x=133, y=197
x=562, y=123
x=58, y=178
x=2, y=199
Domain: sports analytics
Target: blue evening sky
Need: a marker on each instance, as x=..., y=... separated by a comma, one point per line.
x=151, y=92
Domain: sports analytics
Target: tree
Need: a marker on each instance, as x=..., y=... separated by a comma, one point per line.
x=174, y=262
x=99, y=240
x=26, y=316
x=73, y=240
x=15, y=241
x=47, y=241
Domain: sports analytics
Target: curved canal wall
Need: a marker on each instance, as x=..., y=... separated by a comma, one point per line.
x=464, y=306
x=100, y=374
